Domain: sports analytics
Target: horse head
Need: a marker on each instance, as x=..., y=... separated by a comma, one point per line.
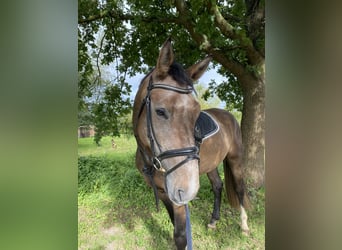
x=164, y=116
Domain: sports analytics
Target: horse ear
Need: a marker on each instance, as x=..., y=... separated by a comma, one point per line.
x=196, y=71
x=165, y=58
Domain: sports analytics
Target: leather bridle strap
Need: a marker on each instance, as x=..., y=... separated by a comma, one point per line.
x=172, y=88
x=154, y=163
x=189, y=158
x=191, y=153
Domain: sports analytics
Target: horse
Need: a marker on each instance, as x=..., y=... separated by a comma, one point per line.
x=169, y=155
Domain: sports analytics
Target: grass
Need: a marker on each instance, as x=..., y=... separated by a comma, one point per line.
x=117, y=210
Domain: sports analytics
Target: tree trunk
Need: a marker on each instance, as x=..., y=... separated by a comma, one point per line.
x=253, y=129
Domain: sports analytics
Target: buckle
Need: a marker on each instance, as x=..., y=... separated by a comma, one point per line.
x=157, y=165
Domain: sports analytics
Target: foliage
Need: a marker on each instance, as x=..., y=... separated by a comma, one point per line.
x=85, y=116
x=99, y=173
x=229, y=90
x=125, y=125
x=109, y=110
x=131, y=32
x=211, y=102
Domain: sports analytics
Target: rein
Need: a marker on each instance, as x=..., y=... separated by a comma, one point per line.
x=188, y=228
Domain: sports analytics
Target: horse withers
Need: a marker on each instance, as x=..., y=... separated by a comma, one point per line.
x=165, y=114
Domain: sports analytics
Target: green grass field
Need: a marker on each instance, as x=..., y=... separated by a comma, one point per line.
x=116, y=209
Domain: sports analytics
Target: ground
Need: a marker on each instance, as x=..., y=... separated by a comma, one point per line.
x=116, y=209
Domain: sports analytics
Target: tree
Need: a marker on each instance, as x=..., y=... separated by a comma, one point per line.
x=232, y=32
x=209, y=102
x=109, y=110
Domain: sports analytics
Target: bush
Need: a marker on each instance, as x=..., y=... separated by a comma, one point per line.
x=99, y=173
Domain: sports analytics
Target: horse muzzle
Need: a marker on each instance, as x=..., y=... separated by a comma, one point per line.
x=182, y=185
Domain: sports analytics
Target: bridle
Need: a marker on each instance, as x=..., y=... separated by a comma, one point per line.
x=191, y=153
x=154, y=163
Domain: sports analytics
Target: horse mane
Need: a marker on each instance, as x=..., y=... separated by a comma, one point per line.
x=178, y=74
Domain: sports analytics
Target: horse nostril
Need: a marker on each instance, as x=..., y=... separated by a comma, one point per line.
x=180, y=193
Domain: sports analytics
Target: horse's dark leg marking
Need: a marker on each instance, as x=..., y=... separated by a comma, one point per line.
x=179, y=232
x=168, y=205
x=177, y=216
x=217, y=185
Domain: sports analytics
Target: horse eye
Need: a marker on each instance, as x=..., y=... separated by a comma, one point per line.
x=162, y=113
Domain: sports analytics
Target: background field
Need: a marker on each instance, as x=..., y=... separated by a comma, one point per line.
x=116, y=209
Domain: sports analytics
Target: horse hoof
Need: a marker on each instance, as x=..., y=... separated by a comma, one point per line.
x=212, y=225
x=245, y=232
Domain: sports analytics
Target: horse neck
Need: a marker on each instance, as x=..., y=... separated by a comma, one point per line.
x=139, y=97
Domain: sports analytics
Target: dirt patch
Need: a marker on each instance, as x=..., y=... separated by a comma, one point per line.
x=112, y=231
x=116, y=235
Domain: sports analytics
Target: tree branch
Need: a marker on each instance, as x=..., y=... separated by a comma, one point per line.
x=92, y=18
x=204, y=44
x=229, y=31
x=187, y=22
x=185, y=19
x=128, y=17
x=255, y=22
x=232, y=18
x=98, y=58
x=226, y=28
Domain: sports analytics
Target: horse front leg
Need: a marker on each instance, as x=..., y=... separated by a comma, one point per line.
x=179, y=233
x=217, y=185
x=168, y=204
x=177, y=216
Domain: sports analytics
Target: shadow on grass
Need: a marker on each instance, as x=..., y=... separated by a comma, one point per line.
x=132, y=203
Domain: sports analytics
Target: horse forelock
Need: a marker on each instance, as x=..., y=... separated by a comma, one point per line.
x=177, y=72
x=179, y=75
